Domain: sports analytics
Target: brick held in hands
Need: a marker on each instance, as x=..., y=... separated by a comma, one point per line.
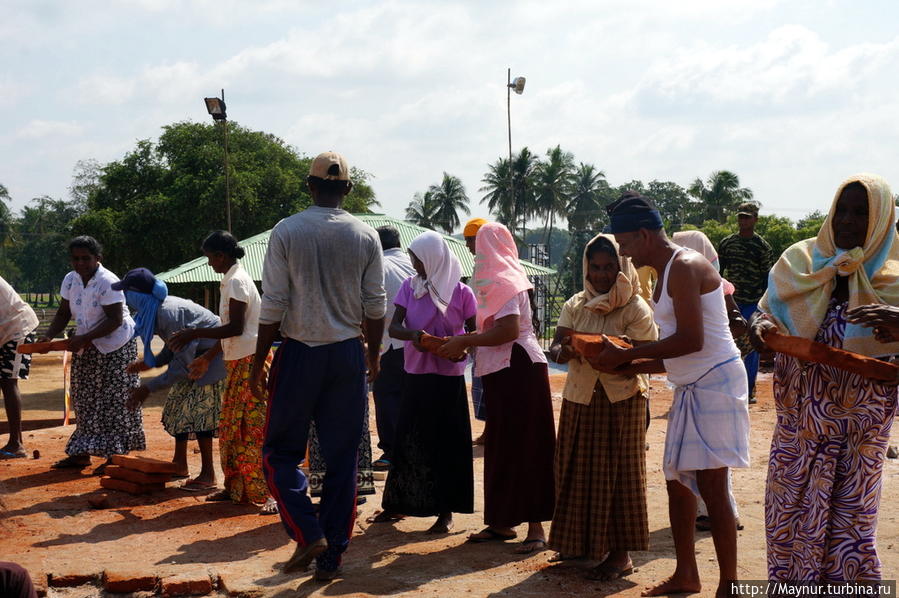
x=590, y=345
x=144, y=464
x=138, y=477
x=431, y=343
x=130, y=487
x=809, y=350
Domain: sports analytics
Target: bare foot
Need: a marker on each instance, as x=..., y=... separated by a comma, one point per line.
x=674, y=585
x=443, y=525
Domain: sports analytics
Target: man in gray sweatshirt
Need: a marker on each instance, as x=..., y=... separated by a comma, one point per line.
x=323, y=276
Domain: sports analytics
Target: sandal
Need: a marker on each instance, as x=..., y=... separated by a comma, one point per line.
x=71, y=462
x=531, y=546
x=562, y=558
x=220, y=496
x=195, y=486
x=489, y=535
x=270, y=507
x=385, y=517
x=381, y=464
x=609, y=572
x=4, y=454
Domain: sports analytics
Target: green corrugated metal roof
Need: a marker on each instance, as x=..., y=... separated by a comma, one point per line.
x=199, y=271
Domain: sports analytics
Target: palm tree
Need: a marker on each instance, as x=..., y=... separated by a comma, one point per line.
x=422, y=210
x=449, y=197
x=552, y=182
x=496, y=185
x=524, y=167
x=585, y=201
x=720, y=193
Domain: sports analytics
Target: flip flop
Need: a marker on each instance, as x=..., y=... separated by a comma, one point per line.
x=11, y=455
x=381, y=464
x=193, y=486
x=492, y=536
x=385, y=517
x=607, y=572
x=531, y=546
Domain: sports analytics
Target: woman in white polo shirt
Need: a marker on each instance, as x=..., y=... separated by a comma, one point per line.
x=242, y=420
x=102, y=347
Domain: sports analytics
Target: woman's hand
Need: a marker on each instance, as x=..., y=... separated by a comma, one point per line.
x=198, y=367
x=416, y=342
x=181, y=339
x=77, y=343
x=137, y=397
x=259, y=382
x=562, y=352
x=738, y=325
x=454, y=348
x=761, y=325
x=136, y=367
x=609, y=358
x=883, y=318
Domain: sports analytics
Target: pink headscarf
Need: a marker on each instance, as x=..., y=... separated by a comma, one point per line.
x=498, y=275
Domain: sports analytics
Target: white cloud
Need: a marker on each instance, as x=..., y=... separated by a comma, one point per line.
x=39, y=129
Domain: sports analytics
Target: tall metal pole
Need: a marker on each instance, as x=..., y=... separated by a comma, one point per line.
x=509, y=122
x=227, y=170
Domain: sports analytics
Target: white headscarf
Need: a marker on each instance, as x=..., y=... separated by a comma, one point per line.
x=442, y=268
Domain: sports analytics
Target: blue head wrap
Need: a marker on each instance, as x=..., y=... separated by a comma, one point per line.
x=633, y=212
x=146, y=305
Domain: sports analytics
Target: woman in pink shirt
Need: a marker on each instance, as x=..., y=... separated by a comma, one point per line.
x=518, y=454
x=431, y=472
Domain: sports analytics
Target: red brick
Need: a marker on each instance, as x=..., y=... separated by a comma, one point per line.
x=187, y=586
x=69, y=579
x=125, y=583
x=130, y=487
x=144, y=464
x=138, y=477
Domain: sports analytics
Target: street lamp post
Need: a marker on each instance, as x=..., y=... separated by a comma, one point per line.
x=518, y=87
x=216, y=109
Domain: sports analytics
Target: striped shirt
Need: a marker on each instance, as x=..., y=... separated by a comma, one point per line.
x=745, y=263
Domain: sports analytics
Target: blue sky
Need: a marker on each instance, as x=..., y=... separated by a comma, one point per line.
x=792, y=96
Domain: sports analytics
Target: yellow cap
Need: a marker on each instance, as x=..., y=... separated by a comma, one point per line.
x=472, y=227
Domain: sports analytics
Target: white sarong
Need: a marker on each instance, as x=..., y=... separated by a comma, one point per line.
x=708, y=425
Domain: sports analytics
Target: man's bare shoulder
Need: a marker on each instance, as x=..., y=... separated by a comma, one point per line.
x=692, y=270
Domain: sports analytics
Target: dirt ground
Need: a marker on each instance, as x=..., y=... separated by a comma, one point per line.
x=50, y=528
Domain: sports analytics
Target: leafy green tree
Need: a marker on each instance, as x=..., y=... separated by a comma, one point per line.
x=153, y=206
x=808, y=226
x=673, y=202
x=8, y=268
x=41, y=255
x=450, y=198
x=719, y=194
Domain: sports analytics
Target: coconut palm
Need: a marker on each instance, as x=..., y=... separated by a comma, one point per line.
x=585, y=200
x=497, y=186
x=449, y=197
x=422, y=210
x=552, y=187
x=720, y=194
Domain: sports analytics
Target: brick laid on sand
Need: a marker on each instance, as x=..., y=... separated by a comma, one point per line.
x=144, y=464
x=138, y=477
x=71, y=579
x=126, y=583
x=187, y=586
x=130, y=487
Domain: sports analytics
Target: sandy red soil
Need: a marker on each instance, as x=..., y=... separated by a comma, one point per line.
x=50, y=528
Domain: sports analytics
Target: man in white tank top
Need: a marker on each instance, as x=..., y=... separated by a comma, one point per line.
x=708, y=425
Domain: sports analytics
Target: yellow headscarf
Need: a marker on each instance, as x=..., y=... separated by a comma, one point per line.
x=801, y=282
x=627, y=284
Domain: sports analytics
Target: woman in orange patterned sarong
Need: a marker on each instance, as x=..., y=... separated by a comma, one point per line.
x=829, y=443
x=242, y=420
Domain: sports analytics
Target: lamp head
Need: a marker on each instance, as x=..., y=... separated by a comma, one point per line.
x=216, y=108
x=517, y=85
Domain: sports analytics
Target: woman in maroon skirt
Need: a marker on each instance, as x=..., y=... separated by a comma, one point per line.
x=518, y=454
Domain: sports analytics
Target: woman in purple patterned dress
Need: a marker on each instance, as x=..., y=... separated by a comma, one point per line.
x=830, y=439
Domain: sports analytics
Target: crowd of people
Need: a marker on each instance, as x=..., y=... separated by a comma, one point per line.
x=283, y=377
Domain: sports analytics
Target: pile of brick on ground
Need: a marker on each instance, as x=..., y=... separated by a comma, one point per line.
x=137, y=475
